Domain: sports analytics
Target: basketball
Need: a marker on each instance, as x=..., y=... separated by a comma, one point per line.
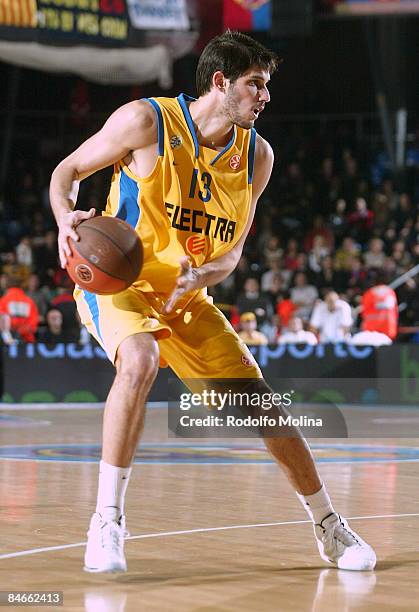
x=108, y=257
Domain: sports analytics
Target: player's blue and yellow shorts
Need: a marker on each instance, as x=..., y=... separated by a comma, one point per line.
x=196, y=340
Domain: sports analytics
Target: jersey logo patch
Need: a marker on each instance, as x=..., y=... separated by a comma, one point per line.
x=195, y=245
x=175, y=141
x=235, y=162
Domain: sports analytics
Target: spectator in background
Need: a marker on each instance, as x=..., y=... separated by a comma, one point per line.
x=387, y=189
x=46, y=258
x=404, y=210
x=65, y=303
x=4, y=279
x=252, y=300
x=291, y=255
x=39, y=296
x=375, y=256
x=400, y=256
x=54, y=332
x=331, y=319
x=345, y=254
x=338, y=222
x=296, y=334
x=273, y=250
x=24, y=253
x=20, y=314
x=273, y=272
x=317, y=254
x=357, y=277
x=285, y=309
x=379, y=309
x=303, y=296
x=361, y=221
x=13, y=269
x=390, y=234
x=328, y=278
x=319, y=229
x=381, y=210
x=408, y=297
x=248, y=330
x=275, y=290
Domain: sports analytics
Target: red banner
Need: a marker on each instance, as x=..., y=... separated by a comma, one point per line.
x=247, y=15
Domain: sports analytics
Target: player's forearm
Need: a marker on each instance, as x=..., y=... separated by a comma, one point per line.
x=63, y=190
x=216, y=271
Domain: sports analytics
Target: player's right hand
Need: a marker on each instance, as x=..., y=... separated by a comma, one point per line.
x=66, y=229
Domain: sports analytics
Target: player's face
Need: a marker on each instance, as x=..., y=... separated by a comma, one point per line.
x=246, y=97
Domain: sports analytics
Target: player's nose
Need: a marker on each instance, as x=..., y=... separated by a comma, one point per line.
x=265, y=96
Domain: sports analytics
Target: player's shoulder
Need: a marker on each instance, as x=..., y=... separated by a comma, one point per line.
x=137, y=114
x=134, y=123
x=264, y=159
x=263, y=149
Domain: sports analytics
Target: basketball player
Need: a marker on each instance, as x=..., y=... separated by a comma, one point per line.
x=187, y=176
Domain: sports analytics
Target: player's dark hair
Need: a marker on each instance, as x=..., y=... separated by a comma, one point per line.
x=233, y=53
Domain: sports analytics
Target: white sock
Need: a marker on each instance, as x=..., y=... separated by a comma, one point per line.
x=318, y=505
x=113, y=483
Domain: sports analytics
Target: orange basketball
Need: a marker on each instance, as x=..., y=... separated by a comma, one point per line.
x=108, y=257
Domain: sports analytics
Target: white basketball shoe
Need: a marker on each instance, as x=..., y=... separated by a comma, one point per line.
x=341, y=546
x=105, y=545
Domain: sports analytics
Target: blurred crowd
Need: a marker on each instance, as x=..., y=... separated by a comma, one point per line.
x=333, y=224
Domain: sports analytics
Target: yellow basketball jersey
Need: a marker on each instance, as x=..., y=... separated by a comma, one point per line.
x=195, y=202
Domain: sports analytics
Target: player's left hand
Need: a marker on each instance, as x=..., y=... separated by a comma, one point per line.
x=186, y=281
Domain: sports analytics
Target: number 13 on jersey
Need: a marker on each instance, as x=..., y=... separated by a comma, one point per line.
x=205, y=194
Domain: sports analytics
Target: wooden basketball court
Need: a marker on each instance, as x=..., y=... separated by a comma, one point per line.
x=214, y=526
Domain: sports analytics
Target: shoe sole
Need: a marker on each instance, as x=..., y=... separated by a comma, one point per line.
x=107, y=570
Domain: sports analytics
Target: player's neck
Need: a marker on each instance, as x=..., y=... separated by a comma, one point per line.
x=212, y=127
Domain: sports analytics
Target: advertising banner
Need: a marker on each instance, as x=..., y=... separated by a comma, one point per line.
x=158, y=14
x=66, y=22
x=340, y=373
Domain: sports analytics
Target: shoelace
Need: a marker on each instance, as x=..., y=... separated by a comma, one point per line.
x=111, y=536
x=341, y=533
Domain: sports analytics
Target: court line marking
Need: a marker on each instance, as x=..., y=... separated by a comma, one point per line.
x=4, y=406
x=34, y=551
x=323, y=462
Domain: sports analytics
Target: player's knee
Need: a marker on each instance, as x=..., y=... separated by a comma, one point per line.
x=268, y=404
x=138, y=360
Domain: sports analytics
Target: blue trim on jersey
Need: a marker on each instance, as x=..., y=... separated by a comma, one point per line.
x=226, y=148
x=91, y=300
x=128, y=209
x=160, y=128
x=251, y=157
x=183, y=99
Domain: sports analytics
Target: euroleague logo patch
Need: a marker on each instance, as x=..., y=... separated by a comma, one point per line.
x=84, y=273
x=195, y=245
x=235, y=162
x=247, y=361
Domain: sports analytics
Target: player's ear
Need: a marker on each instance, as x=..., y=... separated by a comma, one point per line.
x=219, y=81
